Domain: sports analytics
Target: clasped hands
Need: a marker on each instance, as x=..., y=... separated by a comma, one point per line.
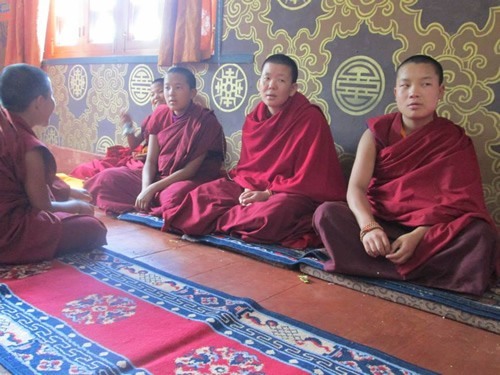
x=251, y=196
x=377, y=243
x=81, y=199
x=246, y=198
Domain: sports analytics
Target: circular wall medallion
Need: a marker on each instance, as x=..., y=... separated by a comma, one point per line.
x=139, y=84
x=358, y=85
x=77, y=82
x=50, y=135
x=229, y=87
x=102, y=144
x=294, y=4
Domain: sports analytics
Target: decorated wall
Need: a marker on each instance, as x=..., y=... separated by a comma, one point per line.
x=347, y=52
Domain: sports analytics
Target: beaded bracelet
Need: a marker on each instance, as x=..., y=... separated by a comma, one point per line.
x=368, y=228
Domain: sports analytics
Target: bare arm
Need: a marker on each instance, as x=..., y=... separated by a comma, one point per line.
x=151, y=165
x=362, y=172
x=132, y=139
x=38, y=191
x=80, y=194
x=375, y=242
x=148, y=192
x=182, y=174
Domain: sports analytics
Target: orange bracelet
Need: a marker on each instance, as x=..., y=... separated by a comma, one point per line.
x=368, y=228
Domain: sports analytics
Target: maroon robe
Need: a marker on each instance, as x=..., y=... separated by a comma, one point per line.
x=429, y=178
x=26, y=233
x=292, y=153
x=181, y=140
x=116, y=156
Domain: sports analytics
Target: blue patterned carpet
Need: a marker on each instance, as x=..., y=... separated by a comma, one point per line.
x=480, y=312
x=103, y=313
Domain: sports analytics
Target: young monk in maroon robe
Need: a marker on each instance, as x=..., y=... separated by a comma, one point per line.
x=119, y=156
x=288, y=165
x=33, y=225
x=185, y=149
x=415, y=192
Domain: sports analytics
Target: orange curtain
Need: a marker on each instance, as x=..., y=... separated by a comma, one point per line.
x=187, y=32
x=26, y=31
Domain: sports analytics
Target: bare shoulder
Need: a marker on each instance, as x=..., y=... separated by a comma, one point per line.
x=366, y=142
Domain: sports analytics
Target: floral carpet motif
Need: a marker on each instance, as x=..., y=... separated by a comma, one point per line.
x=103, y=313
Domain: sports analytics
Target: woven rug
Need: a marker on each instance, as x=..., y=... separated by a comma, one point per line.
x=103, y=313
x=277, y=255
x=480, y=312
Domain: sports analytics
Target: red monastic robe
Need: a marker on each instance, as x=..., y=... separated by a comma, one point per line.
x=429, y=178
x=26, y=233
x=292, y=153
x=181, y=140
x=116, y=156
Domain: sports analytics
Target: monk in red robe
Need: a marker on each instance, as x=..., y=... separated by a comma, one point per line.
x=288, y=165
x=132, y=156
x=34, y=225
x=415, y=192
x=185, y=149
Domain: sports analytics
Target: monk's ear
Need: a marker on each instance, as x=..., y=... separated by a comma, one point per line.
x=441, y=91
x=294, y=88
x=194, y=92
x=37, y=102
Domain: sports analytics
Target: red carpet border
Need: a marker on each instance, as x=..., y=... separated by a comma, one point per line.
x=103, y=313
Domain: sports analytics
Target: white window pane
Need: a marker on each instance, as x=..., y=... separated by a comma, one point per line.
x=145, y=19
x=102, y=27
x=69, y=22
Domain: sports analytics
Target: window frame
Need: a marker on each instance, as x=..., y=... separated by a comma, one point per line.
x=143, y=56
x=121, y=45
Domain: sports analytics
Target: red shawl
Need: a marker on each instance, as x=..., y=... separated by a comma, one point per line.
x=23, y=229
x=430, y=178
x=292, y=152
x=183, y=139
x=116, y=156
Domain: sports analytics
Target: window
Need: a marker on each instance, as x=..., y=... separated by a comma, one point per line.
x=84, y=28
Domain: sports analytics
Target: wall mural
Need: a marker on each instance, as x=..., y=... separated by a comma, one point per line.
x=347, y=52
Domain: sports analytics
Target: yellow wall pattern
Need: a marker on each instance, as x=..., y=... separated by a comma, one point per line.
x=470, y=58
x=347, y=51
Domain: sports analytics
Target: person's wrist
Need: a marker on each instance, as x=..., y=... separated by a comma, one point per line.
x=372, y=225
x=128, y=129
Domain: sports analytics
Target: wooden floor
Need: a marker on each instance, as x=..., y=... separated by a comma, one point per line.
x=427, y=340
